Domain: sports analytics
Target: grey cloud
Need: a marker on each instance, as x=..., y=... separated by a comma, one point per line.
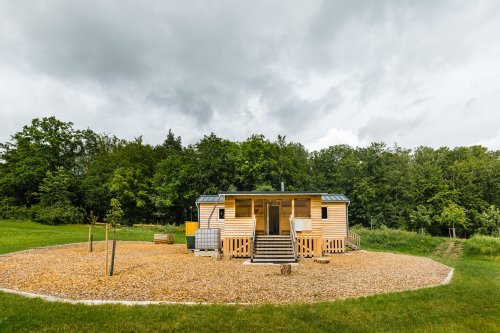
x=381, y=128
x=369, y=67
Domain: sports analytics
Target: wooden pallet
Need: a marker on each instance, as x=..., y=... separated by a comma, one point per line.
x=163, y=239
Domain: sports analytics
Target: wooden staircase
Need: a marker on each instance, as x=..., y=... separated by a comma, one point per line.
x=353, y=241
x=273, y=249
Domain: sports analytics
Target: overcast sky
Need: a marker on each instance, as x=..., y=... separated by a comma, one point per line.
x=319, y=72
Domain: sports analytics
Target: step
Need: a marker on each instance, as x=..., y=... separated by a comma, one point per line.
x=273, y=243
x=270, y=260
x=273, y=255
x=287, y=239
x=277, y=236
x=274, y=252
x=273, y=246
x=258, y=241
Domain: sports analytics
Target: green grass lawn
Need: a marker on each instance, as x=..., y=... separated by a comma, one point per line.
x=21, y=235
x=469, y=304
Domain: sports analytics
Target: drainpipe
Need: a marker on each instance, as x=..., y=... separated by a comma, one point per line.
x=347, y=217
x=198, y=212
x=213, y=210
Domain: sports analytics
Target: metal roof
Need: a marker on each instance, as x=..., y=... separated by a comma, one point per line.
x=334, y=198
x=210, y=198
x=214, y=198
x=272, y=193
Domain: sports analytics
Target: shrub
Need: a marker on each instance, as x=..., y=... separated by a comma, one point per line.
x=170, y=228
x=57, y=214
x=396, y=240
x=482, y=245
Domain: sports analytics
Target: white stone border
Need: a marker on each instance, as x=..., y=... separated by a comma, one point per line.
x=448, y=277
x=103, y=302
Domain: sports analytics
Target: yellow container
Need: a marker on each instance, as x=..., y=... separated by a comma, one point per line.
x=191, y=228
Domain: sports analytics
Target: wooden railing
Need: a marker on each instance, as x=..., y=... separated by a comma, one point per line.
x=237, y=247
x=314, y=246
x=309, y=246
x=354, y=239
x=252, y=239
x=293, y=235
x=333, y=245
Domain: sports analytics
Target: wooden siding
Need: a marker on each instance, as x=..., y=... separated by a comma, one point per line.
x=205, y=211
x=316, y=227
x=261, y=225
x=236, y=226
x=335, y=226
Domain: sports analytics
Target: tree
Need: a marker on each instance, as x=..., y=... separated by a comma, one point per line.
x=115, y=213
x=55, y=196
x=489, y=221
x=421, y=218
x=453, y=215
x=114, y=217
x=46, y=145
x=56, y=188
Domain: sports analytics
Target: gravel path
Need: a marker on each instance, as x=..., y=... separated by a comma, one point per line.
x=146, y=271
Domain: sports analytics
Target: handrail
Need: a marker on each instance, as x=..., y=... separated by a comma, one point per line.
x=252, y=239
x=293, y=234
x=354, y=238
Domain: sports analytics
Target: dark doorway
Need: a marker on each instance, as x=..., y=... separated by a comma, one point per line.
x=274, y=220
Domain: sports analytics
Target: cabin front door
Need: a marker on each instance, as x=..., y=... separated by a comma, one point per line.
x=273, y=218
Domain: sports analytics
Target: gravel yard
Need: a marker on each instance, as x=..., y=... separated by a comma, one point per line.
x=145, y=271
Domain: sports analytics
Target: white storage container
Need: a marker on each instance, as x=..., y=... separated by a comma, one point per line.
x=207, y=239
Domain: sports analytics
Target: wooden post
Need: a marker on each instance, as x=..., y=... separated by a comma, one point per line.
x=286, y=269
x=90, y=237
x=319, y=248
x=107, y=228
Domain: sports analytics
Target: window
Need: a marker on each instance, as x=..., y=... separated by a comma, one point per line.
x=324, y=213
x=286, y=208
x=258, y=207
x=243, y=207
x=222, y=213
x=303, y=207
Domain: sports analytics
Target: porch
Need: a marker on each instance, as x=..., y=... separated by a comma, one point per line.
x=303, y=246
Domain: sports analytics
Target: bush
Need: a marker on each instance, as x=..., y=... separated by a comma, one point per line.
x=57, y=214
x=482, y=245
x=396, y=240
x=16, y=213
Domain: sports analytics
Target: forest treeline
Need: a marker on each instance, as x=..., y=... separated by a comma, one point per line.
x=53, y=173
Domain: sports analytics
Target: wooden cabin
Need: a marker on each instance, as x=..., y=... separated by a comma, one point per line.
x=278, y=226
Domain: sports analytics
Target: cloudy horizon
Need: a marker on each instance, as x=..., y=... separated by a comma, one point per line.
x=319, y=72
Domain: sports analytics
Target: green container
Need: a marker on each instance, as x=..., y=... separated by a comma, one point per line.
x=190, y=242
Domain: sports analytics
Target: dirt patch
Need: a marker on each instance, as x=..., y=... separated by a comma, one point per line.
x=450, y=249
x=152, y=272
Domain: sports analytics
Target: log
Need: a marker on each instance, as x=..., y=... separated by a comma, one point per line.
x=286, y=269
x=217, y=256
x=322, y=260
